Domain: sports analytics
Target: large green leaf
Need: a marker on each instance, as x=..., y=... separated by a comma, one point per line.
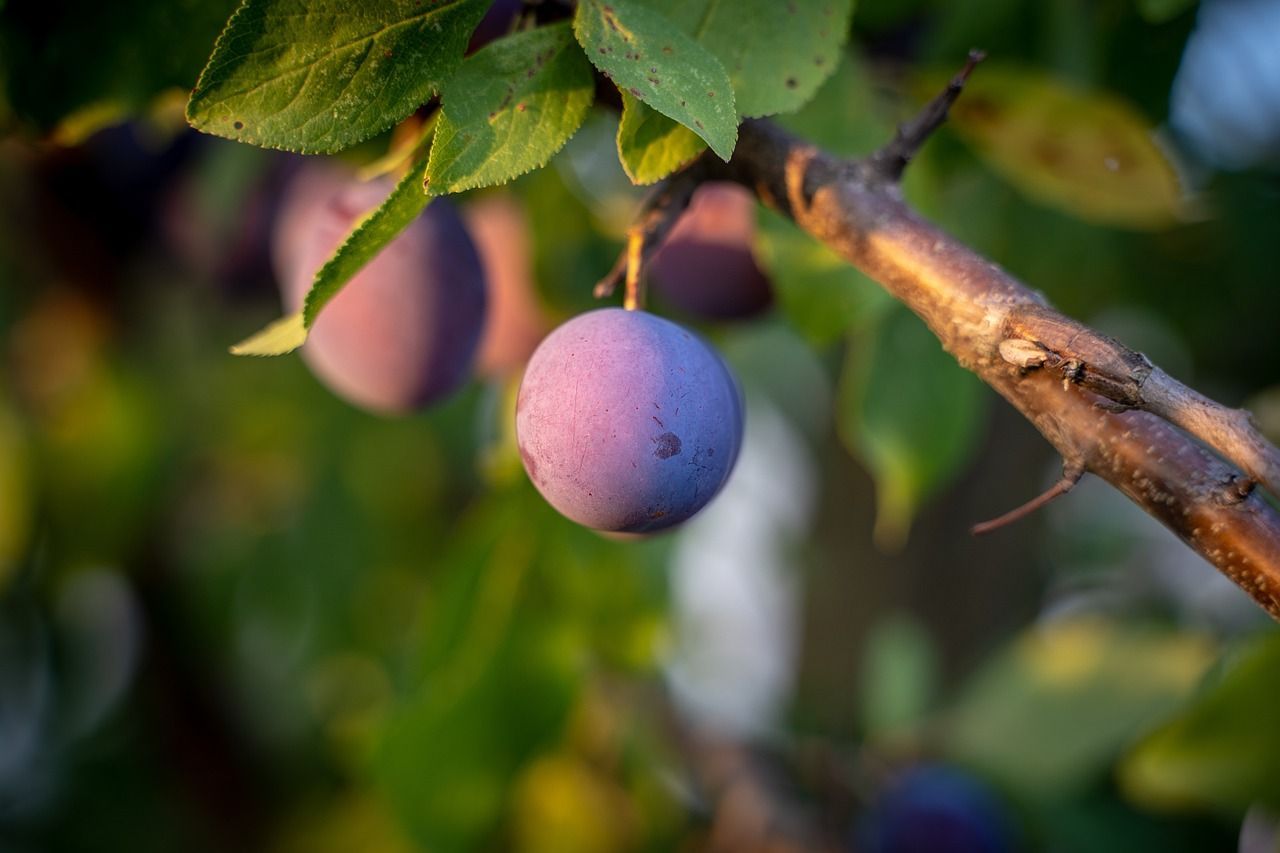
x=1223, y=751
x=509, y=108
x=1090, y=154
x=818, y=291
x=103, y=59
x=366, y=240
x=646, y=54
x=652, y=146
x=319, y=76
x=1050, y=714
x=910, y=413
x=777, y=53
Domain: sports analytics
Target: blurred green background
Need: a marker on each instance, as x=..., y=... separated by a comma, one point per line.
x=238, y=614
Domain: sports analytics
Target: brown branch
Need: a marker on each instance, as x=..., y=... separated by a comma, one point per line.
x=1102, y=406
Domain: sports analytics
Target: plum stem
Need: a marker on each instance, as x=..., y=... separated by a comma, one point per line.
x=633, y=296
x=657, y=216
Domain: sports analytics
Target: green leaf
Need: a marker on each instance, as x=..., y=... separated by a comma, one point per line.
x=652, y=146
x=509, y=108
x=1223, y=751
x=910, y=413
x=818, y=291
x=1087, y=153
x=1051, y=713
x=645, y=54
x=1160, y=11
x=103, y=58
x=777, y=53
x=319, y=76
x=369, y=238
x=845, y=117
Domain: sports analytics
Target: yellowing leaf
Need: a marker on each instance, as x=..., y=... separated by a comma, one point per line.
x=652, y=146
x=282, y=336
x=1090, y=154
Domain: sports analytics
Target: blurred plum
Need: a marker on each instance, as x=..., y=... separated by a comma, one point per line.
x=403, y=332
x=516, y=322
x=706, y=266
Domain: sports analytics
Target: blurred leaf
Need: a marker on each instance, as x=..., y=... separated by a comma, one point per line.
x=1050, y=713
x=844, y=116
x=1088, y=153
x=777, y=54
x=325, y=75
x=15, y=494
x=652, y=146
x=104, y=61
x=1222, y=751
x=564, y=805
x=509, y=108
x=910, y=413
x=899, y=675
x=818, y=291
x=498, y=679
x=646, y=54
x=1160, y=11
x=353, y=822
x=277, y=338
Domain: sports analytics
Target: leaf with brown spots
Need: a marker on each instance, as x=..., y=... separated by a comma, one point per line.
x=648, y=55
x=1090, y=154
x=509, y=108
x=777, y=52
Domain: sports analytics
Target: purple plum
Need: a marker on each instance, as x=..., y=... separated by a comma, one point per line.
x=627, y=422
x=403, y=332
x=706, y=267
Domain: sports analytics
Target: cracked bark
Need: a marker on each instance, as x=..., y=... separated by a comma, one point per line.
x=1105, y=408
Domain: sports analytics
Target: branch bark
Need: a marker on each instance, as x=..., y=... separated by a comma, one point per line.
x=1104, y=407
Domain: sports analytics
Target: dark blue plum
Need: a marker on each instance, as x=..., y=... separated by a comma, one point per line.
x=933, y=809
x=627, y=422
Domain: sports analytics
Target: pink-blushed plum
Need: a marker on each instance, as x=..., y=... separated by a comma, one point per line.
x=706, y=266
x=516, y=321
x=403, y=332
x=627, y=422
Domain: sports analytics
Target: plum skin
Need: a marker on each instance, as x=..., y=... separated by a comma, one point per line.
x=706, y=266
x=627, y=422
x=403, y=333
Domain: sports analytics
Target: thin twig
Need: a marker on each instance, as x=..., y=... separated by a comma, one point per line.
x=1071, y=475
x=891, y=160
x=658, y=214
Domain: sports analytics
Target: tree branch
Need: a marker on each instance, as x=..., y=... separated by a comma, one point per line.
x=1105, y=408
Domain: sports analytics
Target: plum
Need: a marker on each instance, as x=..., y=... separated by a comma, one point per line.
x=403, y=332
x=516, y=322
x=935, y=807
x=706, y=267
x=627, y=422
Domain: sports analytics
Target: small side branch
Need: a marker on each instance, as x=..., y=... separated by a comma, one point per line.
x=658, y=215
x=891, y=160
x=1071, y=475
